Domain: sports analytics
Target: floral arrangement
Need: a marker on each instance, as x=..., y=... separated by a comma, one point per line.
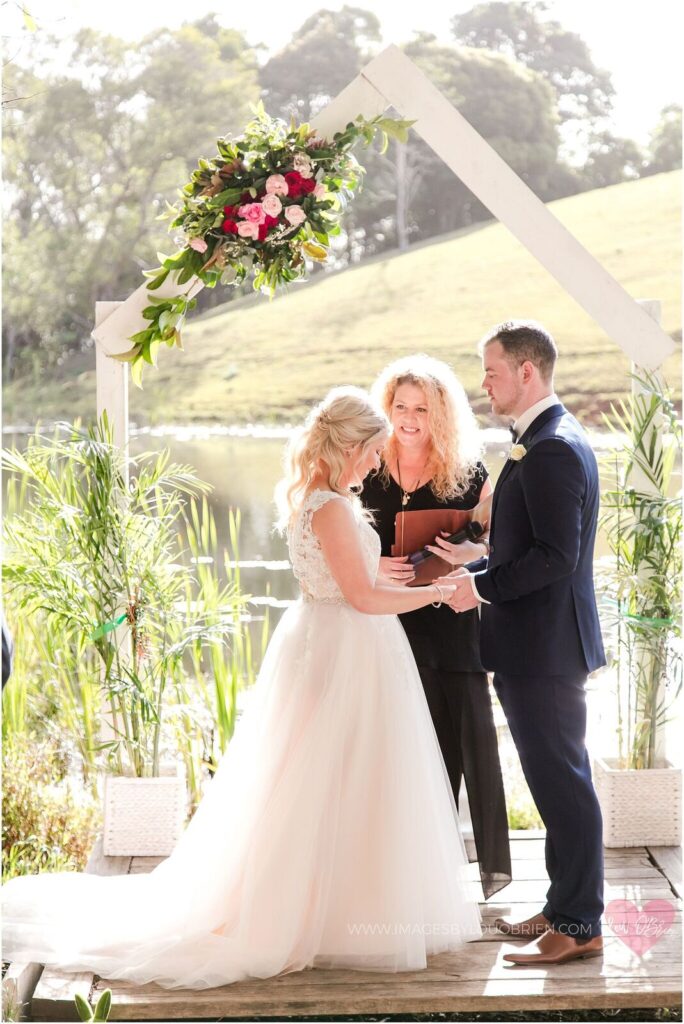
x=268, y=200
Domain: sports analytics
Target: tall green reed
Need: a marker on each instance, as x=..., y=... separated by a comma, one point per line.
x=106, y=609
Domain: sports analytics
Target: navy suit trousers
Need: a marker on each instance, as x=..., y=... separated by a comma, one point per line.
x=547, y=717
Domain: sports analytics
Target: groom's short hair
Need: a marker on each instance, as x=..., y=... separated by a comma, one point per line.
x=525, y=340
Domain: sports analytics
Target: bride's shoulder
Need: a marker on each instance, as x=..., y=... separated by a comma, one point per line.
x=320, y=498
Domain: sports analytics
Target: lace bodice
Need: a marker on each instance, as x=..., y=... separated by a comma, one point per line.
x=308, y=564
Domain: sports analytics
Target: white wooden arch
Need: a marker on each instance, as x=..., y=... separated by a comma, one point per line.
x=392, y=79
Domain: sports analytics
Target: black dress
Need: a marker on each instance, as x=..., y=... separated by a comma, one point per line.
x=446, y=647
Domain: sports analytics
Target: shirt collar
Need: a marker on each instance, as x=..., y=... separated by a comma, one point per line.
x=529, y=416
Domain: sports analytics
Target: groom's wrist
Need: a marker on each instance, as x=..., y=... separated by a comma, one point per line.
x=473, y=577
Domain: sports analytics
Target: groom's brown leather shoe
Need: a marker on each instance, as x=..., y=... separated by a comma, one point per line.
x=556, y=948
x=528, y=929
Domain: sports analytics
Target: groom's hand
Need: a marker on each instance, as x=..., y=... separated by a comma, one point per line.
x=463, y=596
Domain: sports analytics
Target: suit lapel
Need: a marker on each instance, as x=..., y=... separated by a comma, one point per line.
x=553, y=412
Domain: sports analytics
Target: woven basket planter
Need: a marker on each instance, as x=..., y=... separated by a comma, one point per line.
x=640, y=807
x=143, y=817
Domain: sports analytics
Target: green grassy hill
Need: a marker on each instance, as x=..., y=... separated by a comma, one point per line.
x=261, y=361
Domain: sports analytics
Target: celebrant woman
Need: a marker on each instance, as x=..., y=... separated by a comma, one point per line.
x=432, y=461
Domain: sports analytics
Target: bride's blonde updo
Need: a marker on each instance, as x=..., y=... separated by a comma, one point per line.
x=347, y=419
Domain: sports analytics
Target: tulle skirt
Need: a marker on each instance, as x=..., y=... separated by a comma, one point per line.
x=327, y=838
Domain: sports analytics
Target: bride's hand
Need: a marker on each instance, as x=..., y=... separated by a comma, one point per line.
x=456, y=554
x=451, y=576
x=397, y=570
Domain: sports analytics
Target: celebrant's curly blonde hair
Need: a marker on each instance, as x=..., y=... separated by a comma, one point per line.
x=455, y=435
x=345, y=420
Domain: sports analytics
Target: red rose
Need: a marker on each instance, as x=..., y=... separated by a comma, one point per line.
x=308, y=185
x=294, y=184
x=264, y=228
x=230, y=211
x=229, y=227
x=246, y=197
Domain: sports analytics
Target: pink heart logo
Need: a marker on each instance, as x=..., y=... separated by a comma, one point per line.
x=639, y=929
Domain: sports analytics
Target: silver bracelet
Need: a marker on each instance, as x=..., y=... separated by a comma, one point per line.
x=438, y=604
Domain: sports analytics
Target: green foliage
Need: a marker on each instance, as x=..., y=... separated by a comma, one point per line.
x=49, y=823
x=612, y=160
x=90, y=551
x=101, y=1010
x=522, y=31
x=323, y=56
x=666, y=141
x=642, y=522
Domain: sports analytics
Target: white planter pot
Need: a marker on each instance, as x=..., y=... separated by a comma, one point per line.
x=640, y=807
x=143, y=817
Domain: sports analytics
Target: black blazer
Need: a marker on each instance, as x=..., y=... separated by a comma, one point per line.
x=542, y=618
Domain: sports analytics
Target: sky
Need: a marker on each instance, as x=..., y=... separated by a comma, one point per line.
x=642, y=51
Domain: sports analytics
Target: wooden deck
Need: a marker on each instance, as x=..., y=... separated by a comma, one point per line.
x=475, y=979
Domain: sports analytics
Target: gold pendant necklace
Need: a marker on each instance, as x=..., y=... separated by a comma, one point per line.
x=407, y=495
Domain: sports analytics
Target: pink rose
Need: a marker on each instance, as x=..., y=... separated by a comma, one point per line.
x=198, y=244
x=295, y=215
x=248, y=229
x=319, y=191
x=276, y=185
x=271, y=205
x=253, y=212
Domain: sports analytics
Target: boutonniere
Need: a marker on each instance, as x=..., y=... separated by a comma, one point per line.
x=517, y=452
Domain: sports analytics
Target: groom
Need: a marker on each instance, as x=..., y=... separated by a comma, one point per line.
x=540, y=630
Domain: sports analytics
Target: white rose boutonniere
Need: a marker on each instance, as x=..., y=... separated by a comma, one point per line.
x=517, y=452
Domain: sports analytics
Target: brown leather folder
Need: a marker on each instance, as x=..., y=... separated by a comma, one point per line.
x=413, y=530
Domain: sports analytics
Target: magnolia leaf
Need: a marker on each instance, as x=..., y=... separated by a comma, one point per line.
x=154, y=349
x=158, y=281
x=137, y=372
x=29, y=20
x=127, y=357
x=315, y=251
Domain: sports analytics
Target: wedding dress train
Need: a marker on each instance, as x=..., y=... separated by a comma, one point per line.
x=327, y=838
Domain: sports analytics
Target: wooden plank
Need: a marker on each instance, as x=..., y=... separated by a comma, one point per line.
x=18, y=985
x=53, y=998
x=475, y=978
x=669, y=861
x=101, y=864
x=638, y=869
x=530, y=890
x=314, y=998
x=143, y=865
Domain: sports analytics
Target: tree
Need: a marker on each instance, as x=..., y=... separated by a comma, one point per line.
x=612, y=160
x=323, y=56
x=132, y=120
x=521, y=31
x=511, y=107
x=666, y=141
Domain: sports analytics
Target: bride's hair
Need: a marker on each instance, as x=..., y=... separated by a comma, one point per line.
x=347, y=418
x=456, y=438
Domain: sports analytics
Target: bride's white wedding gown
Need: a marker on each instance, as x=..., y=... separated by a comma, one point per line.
x=328, y=836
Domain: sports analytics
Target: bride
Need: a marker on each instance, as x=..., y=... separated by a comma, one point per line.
x=328, y=836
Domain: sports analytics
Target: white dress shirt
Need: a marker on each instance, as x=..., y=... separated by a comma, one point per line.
x=524, y=420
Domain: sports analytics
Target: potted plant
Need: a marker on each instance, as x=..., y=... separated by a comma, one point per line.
x=640, y=791
x=101, y=557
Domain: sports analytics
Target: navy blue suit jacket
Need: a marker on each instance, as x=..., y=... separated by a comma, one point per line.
x=542, y=618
